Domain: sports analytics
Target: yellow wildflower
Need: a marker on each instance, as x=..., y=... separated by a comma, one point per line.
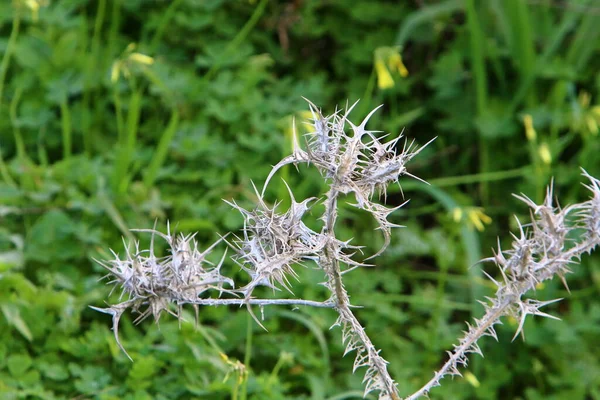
x=384, y=78
x=395, y=63
x=529, y=129
x=388, y=61
x=128, y=62
x=478, y=218
x=475, y=217
x=544, y=152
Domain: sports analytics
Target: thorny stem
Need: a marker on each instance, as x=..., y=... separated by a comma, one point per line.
x=331, y=263
x=474, y=334
x=264, y=302
x=493, y=315
x=342, y=303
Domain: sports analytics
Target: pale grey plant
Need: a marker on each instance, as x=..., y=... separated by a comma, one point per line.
x=273, y=244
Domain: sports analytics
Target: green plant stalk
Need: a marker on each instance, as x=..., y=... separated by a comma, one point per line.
x=567, y=24
x=113, y=213
x=42, y=153
x=247, y=355
x=276, y=369
x=10, y=48
x=442, y=279
x=5, y=173
x=368, y=96
x=425, y=14
x=127, y=145
x=481, y=91
x=523, y=45
x=585, y=42
x=115, y=20
x=477, y=58
x=474, y=178
x=162, y=26
x=238, y=39
x=118, y=114
x=92, y=60
x=67, y=134
x=26, y=180
x=161, y=151
x=14, y=104
x=538, y=167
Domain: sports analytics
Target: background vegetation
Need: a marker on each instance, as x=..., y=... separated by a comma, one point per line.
x=114, y=114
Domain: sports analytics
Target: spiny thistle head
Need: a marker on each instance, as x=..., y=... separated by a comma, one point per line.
x=353, y=160
x=153, y=285
x=273, y=243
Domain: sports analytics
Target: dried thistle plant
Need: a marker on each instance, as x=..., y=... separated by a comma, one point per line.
x=273, y=244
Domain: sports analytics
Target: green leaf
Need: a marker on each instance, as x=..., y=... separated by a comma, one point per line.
x=13, y=317
x=52, y=239
x=18, y=364
x=54, y=371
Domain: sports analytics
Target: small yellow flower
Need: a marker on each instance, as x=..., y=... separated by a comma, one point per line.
x=529, y=129
x=384, y=78
x=129, y=61
x=395, y=63
x=388, y=61
x=545, y=155
x=475, y=217
x=478, y=218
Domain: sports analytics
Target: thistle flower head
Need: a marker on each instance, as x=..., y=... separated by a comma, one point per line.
x=272, y=243
x=354, y=160
x=153, y=285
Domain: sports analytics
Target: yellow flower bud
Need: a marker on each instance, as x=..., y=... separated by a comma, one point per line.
x=545, y=155
x=529, y=129
x=141, y=58
x=457, y=214
x=115, y=71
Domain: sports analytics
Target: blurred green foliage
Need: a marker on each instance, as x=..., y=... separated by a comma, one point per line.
x=114, y=114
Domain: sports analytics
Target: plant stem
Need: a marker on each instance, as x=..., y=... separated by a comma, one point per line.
x=65, y=121
x=353, y=333
x=238, y=39
x=10, y=48
x=247, y=355
x=481, y=91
